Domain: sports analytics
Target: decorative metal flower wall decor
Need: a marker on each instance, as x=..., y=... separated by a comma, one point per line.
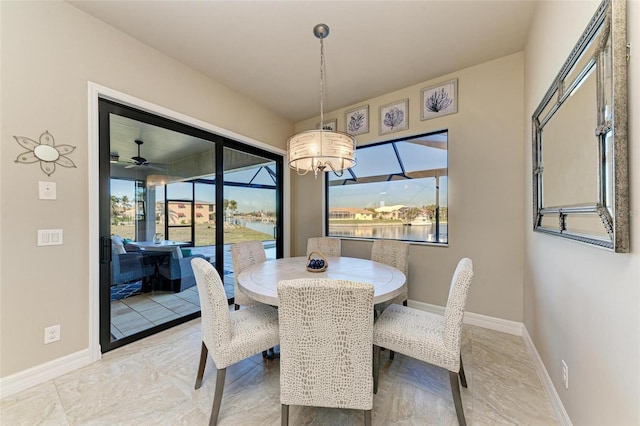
x=45, y=151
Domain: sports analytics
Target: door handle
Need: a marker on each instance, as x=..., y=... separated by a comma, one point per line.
x=105, y=250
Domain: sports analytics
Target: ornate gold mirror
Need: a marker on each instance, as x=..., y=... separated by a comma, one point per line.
x=580, y=180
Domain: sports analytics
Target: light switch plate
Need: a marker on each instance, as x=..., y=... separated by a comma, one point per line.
x=49, y=237
x=47, y=190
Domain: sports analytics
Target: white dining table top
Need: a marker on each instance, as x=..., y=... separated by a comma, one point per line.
x=260, y=281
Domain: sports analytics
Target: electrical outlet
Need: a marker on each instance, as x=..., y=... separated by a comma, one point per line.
x=565, y=375
x=52, y=334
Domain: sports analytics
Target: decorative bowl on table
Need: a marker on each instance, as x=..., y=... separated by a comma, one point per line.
x=316, y=262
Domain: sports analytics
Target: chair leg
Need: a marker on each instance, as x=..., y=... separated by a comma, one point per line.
x=284, y=421
x=217, y=396
x=203, y=361
x=367, y=417
x=457, y=398
x=376, y=367
x=463, y=378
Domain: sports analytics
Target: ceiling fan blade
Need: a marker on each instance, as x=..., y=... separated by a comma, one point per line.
x=130, y=165
x=156, y=167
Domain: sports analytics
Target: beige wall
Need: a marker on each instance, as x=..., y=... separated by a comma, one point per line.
x=485, y=189
x=582, y=304
x=50, y=50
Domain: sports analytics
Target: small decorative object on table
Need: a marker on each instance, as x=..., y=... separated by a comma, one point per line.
x=316, y=262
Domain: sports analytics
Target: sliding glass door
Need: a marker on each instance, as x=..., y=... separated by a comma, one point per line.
x=161, y=206
x=251, y=203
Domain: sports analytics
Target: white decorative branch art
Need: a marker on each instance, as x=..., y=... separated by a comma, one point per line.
x=357, y=120
x=331, y=125
x=440, y=100
x=394, y=117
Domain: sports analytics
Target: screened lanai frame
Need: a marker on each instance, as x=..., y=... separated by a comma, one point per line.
x=261, y=176
x=406, y=189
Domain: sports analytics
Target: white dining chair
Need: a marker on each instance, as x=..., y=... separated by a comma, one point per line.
x=396, y=254
x=326, y=331
x=228, y=336
x=243, y=255
x=428, y=337
x=328, y=246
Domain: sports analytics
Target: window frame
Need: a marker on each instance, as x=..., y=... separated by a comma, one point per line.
x=437, y=216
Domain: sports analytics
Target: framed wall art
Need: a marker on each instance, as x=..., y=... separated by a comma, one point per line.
x=357, y=120
x=394, y=117
x=329, y=125
x=440, y=100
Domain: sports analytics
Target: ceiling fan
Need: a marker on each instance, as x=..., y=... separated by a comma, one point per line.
x=139, y=160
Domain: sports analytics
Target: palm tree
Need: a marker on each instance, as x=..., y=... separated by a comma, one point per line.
x=126, y=205
x=115, y=205
x=233, y=205
x=125, y=202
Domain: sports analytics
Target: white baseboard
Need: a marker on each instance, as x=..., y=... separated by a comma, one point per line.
x=554, y=398
x=484, y=321
x=518, y=329
x=41, y=373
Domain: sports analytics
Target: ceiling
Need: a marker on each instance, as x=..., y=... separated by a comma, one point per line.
x=159, y=146
x=266, y=50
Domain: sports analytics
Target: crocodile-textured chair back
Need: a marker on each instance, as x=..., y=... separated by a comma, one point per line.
x=244, y=255
x=328, y=246
x=326, y=331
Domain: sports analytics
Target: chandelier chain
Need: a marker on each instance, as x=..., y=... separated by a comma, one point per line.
x=322, y=84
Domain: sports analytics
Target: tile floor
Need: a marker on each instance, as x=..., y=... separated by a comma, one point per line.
x=150, y=382
x=141, y=312
x=138, y=313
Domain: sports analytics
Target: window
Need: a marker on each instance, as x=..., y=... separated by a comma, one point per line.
x=397, y=190
x=127, y=207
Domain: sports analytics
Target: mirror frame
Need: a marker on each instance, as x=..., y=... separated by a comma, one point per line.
x=609, y=17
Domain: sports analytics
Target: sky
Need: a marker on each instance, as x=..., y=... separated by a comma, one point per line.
x=416, y=154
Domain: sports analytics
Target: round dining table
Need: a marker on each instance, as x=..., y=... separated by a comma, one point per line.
x=260, y=281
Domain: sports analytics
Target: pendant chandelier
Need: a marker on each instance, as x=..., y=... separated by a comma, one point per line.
x=321, y=150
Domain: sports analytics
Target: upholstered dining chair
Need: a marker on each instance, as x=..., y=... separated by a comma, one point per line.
x=328, y=246
x=428, y=337
x=396, y=254
x=326, y=331
x=243, y=255
x=230, y=337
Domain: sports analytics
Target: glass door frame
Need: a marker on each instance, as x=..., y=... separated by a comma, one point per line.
x=107, y=107
x=280, y=171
